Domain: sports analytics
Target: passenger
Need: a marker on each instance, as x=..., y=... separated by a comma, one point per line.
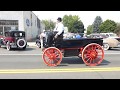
x=78, y=36
x=42, y=35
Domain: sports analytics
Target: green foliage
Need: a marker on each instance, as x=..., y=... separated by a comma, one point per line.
x=117, y=30
x=49, y=24
x=89, y=29
x=73, y=23
x=108, y=26
x=97, y=22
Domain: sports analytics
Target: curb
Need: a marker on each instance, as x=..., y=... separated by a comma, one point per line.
x=31, y=44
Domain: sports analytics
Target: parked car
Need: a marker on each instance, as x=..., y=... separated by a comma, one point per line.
x=111, y=35
x=14, y=39
x=108, y=43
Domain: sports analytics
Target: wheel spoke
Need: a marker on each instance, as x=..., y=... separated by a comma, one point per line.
x=47, y=55
x=99, y=55
x=91, y=61
x=87, y=54
x=57, y=59
x=93, y=47
x=88, y=59
x=49, y=62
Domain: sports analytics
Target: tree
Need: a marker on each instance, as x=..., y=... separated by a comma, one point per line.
x=89, y=29
x=49, y=24
x=117, y=30
x=97, y=22
x=73, y=23
x=108, y=26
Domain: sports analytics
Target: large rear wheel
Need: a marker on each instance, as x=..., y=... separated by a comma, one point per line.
x=93, y=54
x=52, y=56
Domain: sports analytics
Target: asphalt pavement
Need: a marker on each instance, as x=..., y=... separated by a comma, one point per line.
x=28, y=64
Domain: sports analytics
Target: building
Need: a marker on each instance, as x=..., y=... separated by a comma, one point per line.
x=20, y=20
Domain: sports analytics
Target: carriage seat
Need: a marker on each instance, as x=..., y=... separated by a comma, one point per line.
x=51, y=41
x=58, y=40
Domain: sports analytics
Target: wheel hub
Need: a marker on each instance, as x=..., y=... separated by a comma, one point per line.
x=93, y=54
x=52, y=57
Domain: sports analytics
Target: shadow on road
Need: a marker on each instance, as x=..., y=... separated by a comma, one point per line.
x=72, y=60
x=76, y=60
x=19, y=49
x=114, y=49
x=104, y=62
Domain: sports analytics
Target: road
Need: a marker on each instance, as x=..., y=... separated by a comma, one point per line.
x=28, y=64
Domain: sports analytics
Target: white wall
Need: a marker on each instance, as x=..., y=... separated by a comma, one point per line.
x=13, y=15
x=31, y=30
x=34, y=26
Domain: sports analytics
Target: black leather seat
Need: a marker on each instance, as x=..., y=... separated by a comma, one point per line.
x=51, y=41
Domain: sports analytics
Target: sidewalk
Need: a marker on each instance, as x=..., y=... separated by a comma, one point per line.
x=31, y=44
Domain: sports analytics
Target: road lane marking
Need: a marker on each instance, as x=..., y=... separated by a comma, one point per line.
x=26, y=71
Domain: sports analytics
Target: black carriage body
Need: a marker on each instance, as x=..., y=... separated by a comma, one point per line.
x=72, y=47
x=75, y=43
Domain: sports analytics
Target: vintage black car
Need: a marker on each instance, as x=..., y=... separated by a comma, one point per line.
x=14, y=39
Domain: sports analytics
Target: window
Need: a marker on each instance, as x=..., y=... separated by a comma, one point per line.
x=7, y=34
x=1, y=30
x=38, y=23
x=8, y=22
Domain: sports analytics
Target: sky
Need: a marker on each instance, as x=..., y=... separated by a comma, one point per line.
x=87, y=17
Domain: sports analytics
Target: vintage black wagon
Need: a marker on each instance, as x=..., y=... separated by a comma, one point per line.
x=89, y=49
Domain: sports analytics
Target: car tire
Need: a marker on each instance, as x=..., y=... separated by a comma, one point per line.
x=38, y=44
x=24, y=48
x=8, y=46
x=106, y=46
x=23, y=44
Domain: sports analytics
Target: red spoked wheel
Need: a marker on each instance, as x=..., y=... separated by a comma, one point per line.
x=52, y=56
x=93, y=54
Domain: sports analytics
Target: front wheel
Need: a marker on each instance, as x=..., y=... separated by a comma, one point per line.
x=52, y=56
x=106, y=46
x=8, y=46
x=38, y=44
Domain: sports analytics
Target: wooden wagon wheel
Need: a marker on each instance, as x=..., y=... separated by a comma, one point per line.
x=93, y=54
x=52, y=56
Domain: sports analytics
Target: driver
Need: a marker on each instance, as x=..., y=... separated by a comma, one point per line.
x=57, y=32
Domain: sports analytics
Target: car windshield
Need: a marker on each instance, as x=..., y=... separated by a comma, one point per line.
x=113, y=35
x=18, y=34
x=98, y=36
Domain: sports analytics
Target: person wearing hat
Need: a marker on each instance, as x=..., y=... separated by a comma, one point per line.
x=57, y=32
x=59, y=28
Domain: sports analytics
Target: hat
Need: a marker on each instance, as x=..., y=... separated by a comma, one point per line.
x=59, y=19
